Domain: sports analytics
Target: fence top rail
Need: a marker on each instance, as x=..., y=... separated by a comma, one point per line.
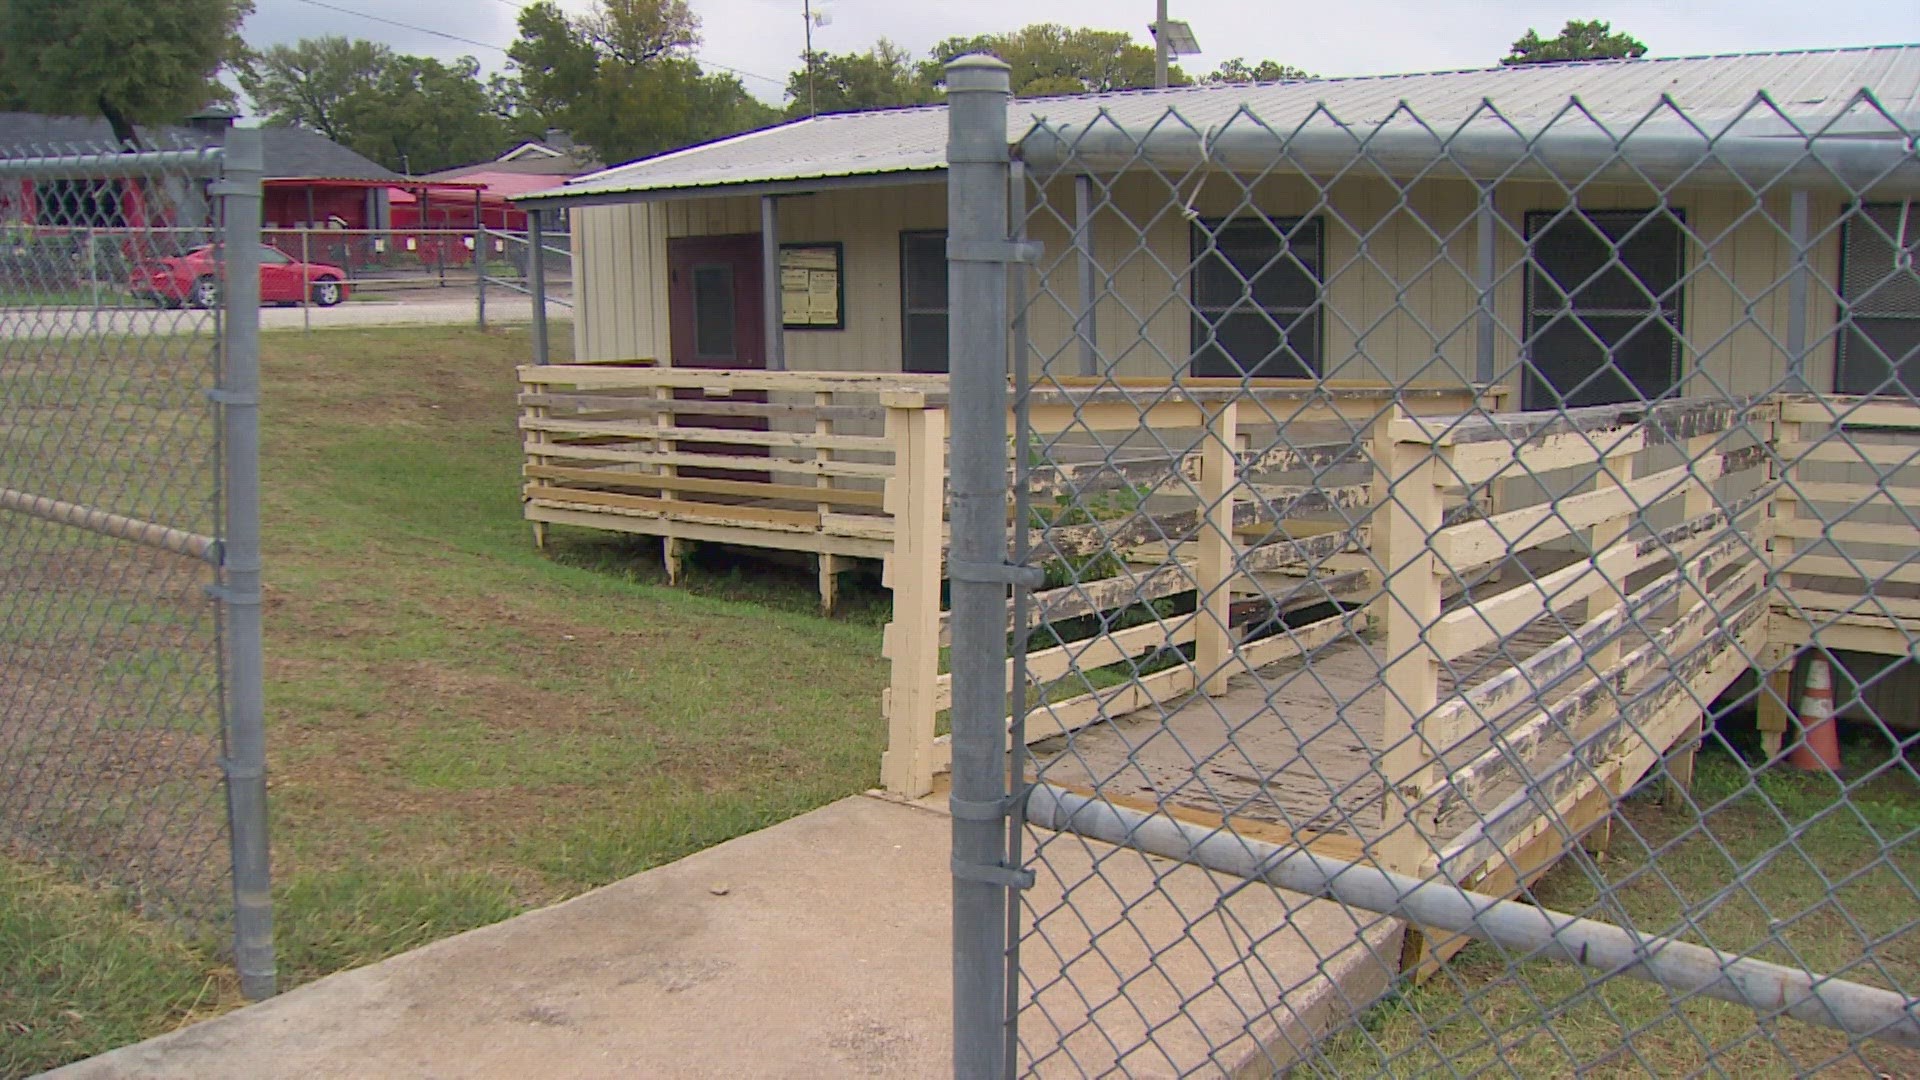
x=22, y=162
x=1672, y=420
x=1482, y=152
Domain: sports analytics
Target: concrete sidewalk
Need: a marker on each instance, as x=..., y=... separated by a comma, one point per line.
x=817, y=947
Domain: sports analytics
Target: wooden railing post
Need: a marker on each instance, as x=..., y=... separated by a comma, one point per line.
x=1776, y=706
x=1612, y=473
x=1215, y=561
x=1699, y=499
x=1410, y=599
x=916, y=499
x=672, y=548
x=829, y=563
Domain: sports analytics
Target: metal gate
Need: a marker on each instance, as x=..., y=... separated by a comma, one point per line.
x=1375, y=720
x=131, y=741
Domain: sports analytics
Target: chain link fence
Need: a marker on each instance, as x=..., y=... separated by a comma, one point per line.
x=130, y=667
x=1463, y=589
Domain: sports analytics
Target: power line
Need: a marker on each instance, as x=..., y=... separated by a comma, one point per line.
x=407, y=26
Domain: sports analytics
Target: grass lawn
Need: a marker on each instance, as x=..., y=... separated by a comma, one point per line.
x=461, y=728
x=1671, y=866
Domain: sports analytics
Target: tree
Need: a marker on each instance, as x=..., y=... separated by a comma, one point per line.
x=883, y=77
x=409, y=113
x=1237, y=71
x=130, y=61
x=622, y=78
x=1593, y=40
x=1050, y=59
x=316, y=83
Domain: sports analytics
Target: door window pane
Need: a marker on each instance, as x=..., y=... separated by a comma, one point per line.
x=713, y=316
x=923, y=301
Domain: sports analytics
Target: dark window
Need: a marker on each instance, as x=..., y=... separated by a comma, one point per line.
x=923, y=301
x=713, y=311
x=79, y=204
x=1879, y=341
x=1603, y=306
x=1256, y=297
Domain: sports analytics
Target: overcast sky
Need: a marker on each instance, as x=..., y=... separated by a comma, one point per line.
x=1351, y=37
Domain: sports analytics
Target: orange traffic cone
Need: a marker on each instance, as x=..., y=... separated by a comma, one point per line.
x=1819, y=746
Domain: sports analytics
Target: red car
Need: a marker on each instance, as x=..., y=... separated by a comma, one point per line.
x=193, y=278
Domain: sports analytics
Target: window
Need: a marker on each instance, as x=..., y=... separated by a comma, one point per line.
x=923, y=301
x=273, y=256
x=1879, y=341
x=1256, y=297
x=1603, y=306
x=713, y=311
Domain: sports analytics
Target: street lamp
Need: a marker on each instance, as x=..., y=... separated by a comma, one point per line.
x=1170, y=38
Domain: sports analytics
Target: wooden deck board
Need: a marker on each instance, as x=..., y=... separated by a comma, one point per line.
x=1291, y=748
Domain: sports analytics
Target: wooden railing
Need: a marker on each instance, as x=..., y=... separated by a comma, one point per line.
x=781, y=460
x=1195, y=523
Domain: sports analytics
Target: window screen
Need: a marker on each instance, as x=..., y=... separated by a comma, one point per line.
x=923, y=301
x=1603, y=306
x=713, y=311
x=1256, y=297
x=1879, y=339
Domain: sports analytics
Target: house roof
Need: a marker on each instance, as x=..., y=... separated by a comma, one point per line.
x=287, y=152
x=904, y=144
x=554, y=169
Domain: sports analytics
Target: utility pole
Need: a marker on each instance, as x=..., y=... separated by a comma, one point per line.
x=1160, y=45
x=813, y=104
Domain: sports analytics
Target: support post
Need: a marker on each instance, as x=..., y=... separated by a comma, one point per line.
x=1776, y=700
x=1483, y=321
x=1084, y=327
x=479, y=263
x=1215, y=563
x=672, y=548
x=771, y=313
x=245, y=697
x=1797, y=295
x=537, y=283
x=306, y=292
x=979, y=167
x=1410, y=676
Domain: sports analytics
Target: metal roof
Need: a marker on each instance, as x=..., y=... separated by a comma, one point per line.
x=287, y=152
x=1714, y=92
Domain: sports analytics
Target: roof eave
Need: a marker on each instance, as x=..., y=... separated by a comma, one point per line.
x=792, y=186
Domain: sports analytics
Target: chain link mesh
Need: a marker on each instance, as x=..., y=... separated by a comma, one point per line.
x=111, y=718
x=1487, y=501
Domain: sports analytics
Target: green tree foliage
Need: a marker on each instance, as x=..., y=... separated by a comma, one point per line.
x=622, y=78
x=1049, y=59
x=883, y=77
x=1238, y=70
x=321, y=83
x=130, y=61
x=409, y=113
x=1591, y=40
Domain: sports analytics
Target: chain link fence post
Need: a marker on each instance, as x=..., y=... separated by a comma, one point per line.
x=978, y=251
x=239, y=589
x=537, y=283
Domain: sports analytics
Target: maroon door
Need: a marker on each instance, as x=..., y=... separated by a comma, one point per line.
x=715, y=315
